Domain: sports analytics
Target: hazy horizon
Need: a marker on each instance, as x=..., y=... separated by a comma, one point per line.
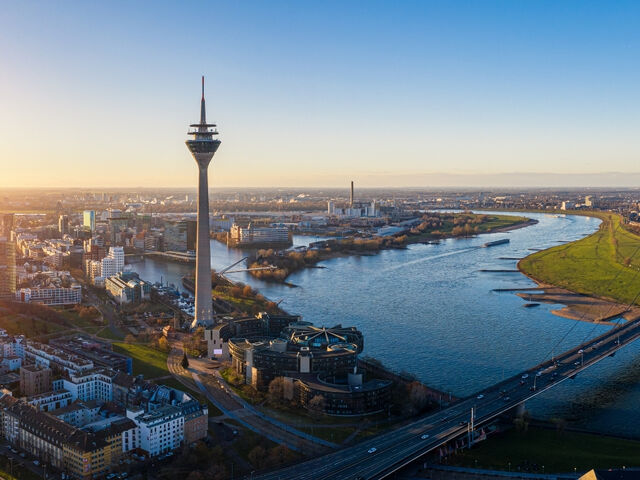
x=426, y=181
x=417, y=94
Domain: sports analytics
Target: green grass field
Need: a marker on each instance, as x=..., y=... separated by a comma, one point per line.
x=146, y=360
x=108, y=334
x=73, y=318
x=153, y=364
x=558, y=452
x=604, y=264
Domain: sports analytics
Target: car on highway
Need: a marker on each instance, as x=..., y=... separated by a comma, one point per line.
x=506, y=399
x=372, y=450
x=580, y=351
x=480, y=397
x=525, y=376
x=424, y=437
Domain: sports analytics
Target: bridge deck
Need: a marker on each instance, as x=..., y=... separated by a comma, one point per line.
x=399, y=447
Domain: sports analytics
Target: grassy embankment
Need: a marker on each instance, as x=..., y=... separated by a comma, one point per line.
x=604, y=264
x=16, y=324
x=559, y=452
x=147, y=361
x=152, y=363
x=87, y=319
x=107, y=334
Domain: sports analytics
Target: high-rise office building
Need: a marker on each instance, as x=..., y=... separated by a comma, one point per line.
x=203, y=146
x=89, y=220
x=117, y=225
x=7, y=225
x=7, y=269
x=63, y=224
x=180, y=236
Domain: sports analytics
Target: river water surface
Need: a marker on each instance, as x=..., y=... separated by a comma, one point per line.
x=429, y=310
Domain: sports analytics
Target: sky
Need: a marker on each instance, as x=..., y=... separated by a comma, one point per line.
x=314, y=94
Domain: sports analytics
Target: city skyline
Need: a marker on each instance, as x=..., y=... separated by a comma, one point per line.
x=311, y=96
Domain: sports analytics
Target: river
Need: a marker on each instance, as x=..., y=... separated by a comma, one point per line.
x=429, y=310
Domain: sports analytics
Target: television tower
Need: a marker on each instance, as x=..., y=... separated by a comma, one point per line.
x=202, y=147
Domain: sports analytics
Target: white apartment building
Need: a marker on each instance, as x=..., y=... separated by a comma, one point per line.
x=131, y=439
x=51, y=400
x=85, y=386
x=93, y=269
x=12, y=346
x=46, y=356
x=248, y=235
x=117, y=253
x=110, y=265
x=161, y=430
x=51, y=295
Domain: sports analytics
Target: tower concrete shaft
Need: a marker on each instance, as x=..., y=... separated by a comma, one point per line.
x=203, y=146
x=351, y=196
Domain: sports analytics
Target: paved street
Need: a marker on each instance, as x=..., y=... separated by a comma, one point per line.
x=27, y=462
x=208, y=381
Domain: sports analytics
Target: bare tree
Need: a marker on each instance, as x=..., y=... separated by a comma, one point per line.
x=317, y=406
x=275, y=394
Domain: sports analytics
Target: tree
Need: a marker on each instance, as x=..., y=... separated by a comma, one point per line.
x=316, y=406
x=257, y=456
x=279, y=455
x=418, y=396
x=276, y=390
x=163, y=344
x=185, y=361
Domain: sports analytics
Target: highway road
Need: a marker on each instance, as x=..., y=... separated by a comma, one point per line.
x=398, y=448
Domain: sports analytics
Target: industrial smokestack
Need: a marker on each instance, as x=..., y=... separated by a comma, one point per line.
x=351, y=197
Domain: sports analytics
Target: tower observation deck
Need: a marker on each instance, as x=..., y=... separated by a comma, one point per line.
x=203, y=146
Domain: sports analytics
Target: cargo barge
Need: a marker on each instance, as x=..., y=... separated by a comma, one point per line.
x=496, y=242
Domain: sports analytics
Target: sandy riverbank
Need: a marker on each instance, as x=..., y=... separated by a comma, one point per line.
x=580, y=307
